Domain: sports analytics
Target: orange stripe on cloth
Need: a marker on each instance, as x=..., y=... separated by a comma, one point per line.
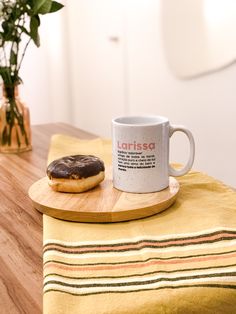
x=137, y=265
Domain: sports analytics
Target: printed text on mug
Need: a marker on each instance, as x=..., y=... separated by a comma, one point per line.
x=135, y=160
x=135, y=146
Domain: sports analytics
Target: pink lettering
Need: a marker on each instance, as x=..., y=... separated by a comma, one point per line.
x=151, y=146
x=136, y=146
x=139, y=146
x=145, y=146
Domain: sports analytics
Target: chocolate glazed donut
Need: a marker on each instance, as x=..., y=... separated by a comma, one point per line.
x=76, y=173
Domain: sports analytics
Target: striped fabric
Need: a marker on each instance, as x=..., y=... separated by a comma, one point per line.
x=181, y=261
x=205, y=259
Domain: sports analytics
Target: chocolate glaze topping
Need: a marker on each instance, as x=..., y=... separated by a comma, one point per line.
x=75, y=167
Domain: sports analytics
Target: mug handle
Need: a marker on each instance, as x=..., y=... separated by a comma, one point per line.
x=187, y=167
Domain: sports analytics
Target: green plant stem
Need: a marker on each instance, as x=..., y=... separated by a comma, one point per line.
x=16, y=70
x=5, y=55
x=18, y=19
x=23, y=54
x=13, y=115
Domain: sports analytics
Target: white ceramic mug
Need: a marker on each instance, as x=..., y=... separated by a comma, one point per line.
x=140, y=152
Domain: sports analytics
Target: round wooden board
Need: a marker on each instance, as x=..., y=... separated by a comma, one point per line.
x=101, y=204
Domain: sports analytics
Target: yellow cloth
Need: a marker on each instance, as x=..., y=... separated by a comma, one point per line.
x=182, y=260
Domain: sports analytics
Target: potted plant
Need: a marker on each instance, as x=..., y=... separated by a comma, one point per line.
x=19, y=25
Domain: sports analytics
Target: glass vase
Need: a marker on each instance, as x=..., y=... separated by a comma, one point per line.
x=15, y=130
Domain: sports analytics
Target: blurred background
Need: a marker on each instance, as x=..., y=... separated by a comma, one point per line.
x=104, y=58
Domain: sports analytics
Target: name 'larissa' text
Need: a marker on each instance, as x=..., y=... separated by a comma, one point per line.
x=135, y=146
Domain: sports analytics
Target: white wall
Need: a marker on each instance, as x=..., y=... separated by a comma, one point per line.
x=199, y=36
x=206, y=105
x=95, y=78
x=96, y=53
x=45, y=73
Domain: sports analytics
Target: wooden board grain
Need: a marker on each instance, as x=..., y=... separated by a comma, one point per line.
x=21, y=230
x=101, y=204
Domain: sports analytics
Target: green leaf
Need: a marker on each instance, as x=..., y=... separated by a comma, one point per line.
x=56, y=6
x=8, y=28
x=34, y=25
x=46, y=7
x=5, y=26
x=42, y=6
x=31, y=3
x=37, y=4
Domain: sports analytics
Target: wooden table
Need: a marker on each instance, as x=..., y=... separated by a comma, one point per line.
x=21, y=232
